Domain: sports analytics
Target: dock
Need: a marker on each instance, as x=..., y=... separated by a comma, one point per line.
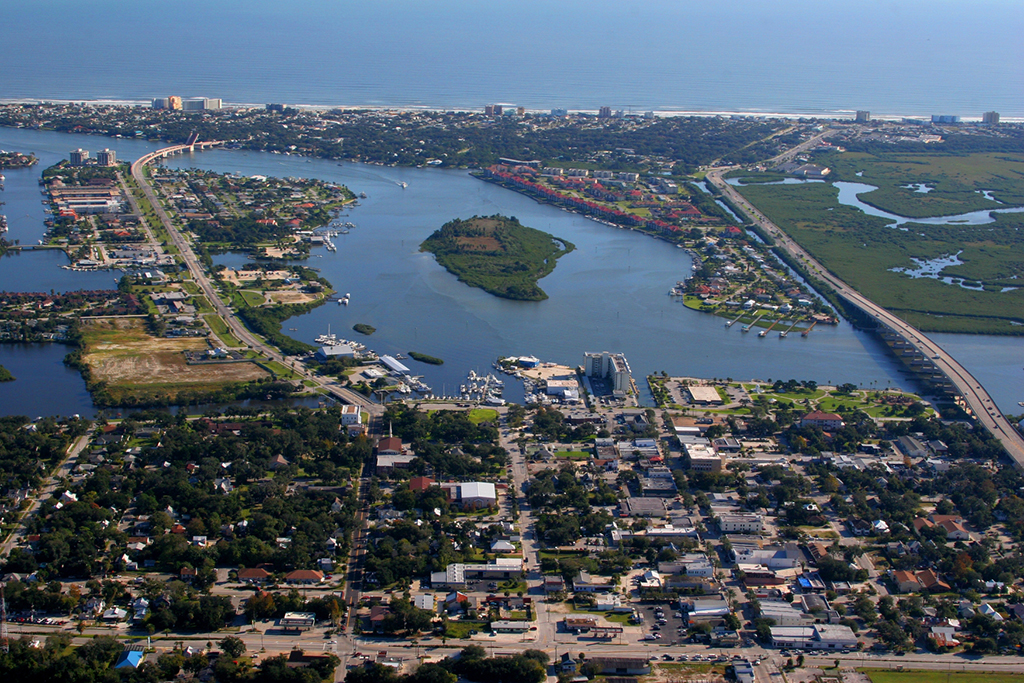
x=754, y=322
x=734, y=320
x=786, y=332
x=764, y=333
x=808, y=330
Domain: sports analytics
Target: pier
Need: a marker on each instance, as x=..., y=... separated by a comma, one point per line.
x=785, y=333
x=764, y=333
x=754, y=322
x=808, y=330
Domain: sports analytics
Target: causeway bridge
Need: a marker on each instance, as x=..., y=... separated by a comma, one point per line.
x=921, y=354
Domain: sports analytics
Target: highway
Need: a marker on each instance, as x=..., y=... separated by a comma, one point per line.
x=195, y=268
x=976, y=400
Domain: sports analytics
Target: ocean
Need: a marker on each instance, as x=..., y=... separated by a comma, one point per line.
x=792, y=57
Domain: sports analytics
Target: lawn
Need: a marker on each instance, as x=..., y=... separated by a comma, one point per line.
x=573, y=455
x=252, y=298
x=220, y=329
x=280, y=370
x=478, y=415
x=879, y=676
x=461, y=629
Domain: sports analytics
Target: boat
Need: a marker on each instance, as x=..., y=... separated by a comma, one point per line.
x=327, y=339
x=362, y=195
x=403, y=184
x=343, y=301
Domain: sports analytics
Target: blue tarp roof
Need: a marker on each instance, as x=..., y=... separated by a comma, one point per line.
x=130, y=658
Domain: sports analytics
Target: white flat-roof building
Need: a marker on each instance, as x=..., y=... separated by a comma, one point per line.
x=741, y=523
x=817, y=637
x=477, y=494
x=351, y=415
x=704, y=395
x=393, y=365
x=298, y=621
x=335, y=351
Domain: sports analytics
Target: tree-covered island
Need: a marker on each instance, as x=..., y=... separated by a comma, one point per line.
x=497, y=254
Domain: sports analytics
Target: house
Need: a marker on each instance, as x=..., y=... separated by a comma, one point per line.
x=566, y=664
x=278, y=462
x=501, y=546
x=424, y=601
x=906, y=582
x=129, y=659
x=304, y=576
x=955, y=530
x=823, y=420
x=930, y=581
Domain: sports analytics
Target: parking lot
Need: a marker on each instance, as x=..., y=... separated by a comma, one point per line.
x=668, y=624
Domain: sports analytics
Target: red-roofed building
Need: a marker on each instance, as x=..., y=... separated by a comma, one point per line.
x=821, y=419
x=253, y=575
x=390, y=445
x=419, y=484
x=308, y=576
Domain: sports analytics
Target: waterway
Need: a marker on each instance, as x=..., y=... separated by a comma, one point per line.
x=609, y=294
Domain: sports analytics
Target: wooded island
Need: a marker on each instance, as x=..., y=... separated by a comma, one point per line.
x=497, y=254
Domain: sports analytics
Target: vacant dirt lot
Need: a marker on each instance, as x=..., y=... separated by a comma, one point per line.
x=286, y=296
x=121, y=353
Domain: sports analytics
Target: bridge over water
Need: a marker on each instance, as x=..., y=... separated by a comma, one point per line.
x=924, y=356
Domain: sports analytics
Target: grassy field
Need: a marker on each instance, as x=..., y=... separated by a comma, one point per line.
x=220, y=329
x=132, y=363
x=878, y=676
x=478, y=415
x=252, y=298
x=862, y=250
x=279, y=370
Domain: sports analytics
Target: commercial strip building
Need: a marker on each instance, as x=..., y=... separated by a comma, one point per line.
x=458, y=573
x=817, y=637
x=298, y=621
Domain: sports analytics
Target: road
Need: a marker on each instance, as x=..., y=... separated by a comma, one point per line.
x=49, y=486
x=977, y=401
x=198, y=273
